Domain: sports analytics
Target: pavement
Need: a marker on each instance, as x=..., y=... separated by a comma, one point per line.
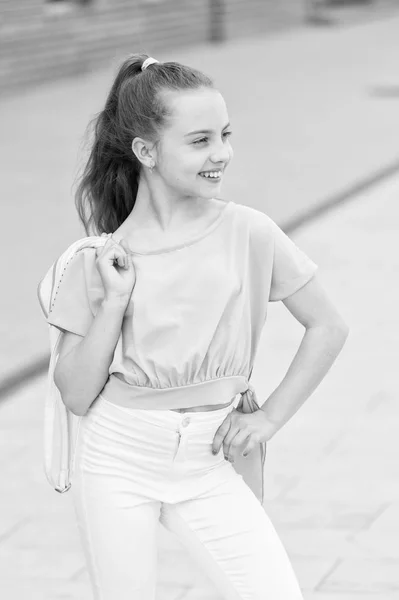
x=315, y=117
x=332, y=475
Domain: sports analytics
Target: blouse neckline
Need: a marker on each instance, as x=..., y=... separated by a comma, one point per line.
x=191, y=241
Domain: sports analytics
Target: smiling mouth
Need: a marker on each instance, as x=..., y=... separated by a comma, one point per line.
x=212, y=175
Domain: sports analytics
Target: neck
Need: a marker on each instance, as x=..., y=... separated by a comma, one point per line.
x=159, y=208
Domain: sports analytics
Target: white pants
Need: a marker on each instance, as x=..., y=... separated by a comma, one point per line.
x=134, y=468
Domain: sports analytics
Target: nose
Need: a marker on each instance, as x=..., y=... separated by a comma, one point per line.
x=221, y=154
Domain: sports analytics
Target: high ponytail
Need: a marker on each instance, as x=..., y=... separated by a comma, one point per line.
x=108, y=186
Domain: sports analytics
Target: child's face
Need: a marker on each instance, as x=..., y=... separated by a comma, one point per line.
x=184, y=156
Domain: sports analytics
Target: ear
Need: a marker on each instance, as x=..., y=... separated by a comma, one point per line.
x=144, y=151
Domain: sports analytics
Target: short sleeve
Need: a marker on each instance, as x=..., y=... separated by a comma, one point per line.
x=78, y=295
x=292, y=268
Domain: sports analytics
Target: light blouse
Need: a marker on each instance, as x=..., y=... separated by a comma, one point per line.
x=191, y=330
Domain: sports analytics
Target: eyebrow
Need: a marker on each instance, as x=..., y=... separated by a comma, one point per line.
x=205, y=130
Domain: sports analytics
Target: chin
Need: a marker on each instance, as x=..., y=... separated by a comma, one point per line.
x=196, y=193
x=210, y=191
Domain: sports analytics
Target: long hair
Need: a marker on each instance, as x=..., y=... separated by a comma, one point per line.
x=107, y=188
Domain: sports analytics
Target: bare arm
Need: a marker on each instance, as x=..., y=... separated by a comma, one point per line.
x=323, y=340
x=83, y=363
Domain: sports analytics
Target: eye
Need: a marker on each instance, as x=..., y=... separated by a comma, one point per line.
x=203, y=140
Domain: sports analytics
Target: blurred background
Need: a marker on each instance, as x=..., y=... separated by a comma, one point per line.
x=312, y=89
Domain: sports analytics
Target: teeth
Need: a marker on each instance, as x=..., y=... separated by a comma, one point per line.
x=211, y=174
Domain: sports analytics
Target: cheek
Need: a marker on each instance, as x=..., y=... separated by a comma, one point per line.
x=231, y=151
x=179, y=173
x=171, y=168
x=181, y=166
x=188, y=165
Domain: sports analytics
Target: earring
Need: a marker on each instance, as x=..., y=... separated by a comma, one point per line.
x=152, y=166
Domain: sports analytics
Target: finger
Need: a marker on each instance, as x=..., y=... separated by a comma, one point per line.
x=220, y=434
x=121, y=244
x=100, y=250
x=229, y=439
x=228, y=447
x=126, y=248
x=232, y=449
x=114, y=253
x=110, y=241
x=129, y=261
x=108, y=244
x=123, y=259
x=125, y=245
x=236, y=425
x=248, y=448
x=118, y=249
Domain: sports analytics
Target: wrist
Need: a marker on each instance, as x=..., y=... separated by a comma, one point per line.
x=115, y=303
x=270, y=427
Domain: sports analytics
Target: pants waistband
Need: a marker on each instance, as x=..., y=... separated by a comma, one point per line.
x=167, y=419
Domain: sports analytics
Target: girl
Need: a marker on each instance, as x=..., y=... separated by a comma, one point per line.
x=161, y=325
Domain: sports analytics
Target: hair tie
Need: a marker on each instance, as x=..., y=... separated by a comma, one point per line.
x=148, y=61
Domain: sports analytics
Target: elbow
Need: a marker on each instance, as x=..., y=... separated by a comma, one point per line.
x=75, y=409
x=59, y=380
x=336, y=329
x=77, y=412
x=346, y=330
x=337, y=332
x=71, y=406
x=341, y=328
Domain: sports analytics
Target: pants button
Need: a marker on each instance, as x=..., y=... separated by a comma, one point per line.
x=185, y=422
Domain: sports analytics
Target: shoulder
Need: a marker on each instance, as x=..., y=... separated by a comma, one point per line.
x=260, y=226
x=253, y=215
x=82, y=250
x=78, y=261
x=72, y=270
